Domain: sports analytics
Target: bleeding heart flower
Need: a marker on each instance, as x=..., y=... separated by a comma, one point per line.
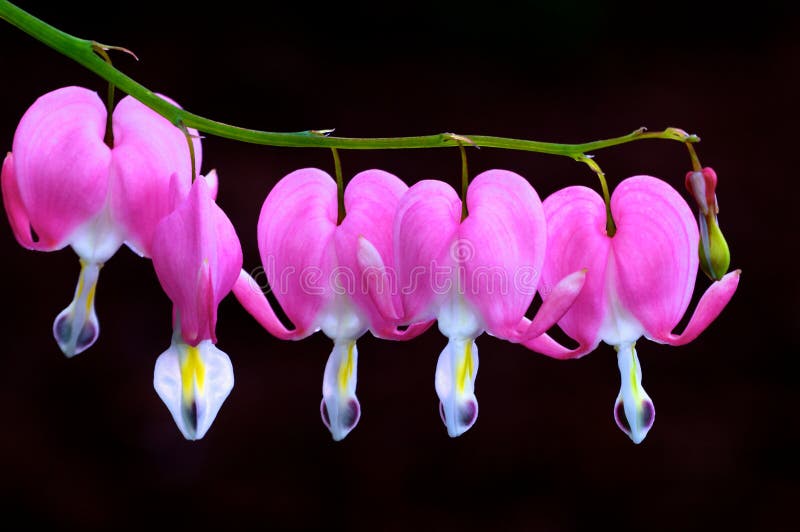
x=639, y=282
x=474, y=275
x=197, y=257
x=62, y=185
x=313, y=268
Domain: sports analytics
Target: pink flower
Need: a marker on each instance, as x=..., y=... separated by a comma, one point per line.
x=197, y=257
x=475, y=275
x=62, y=185
x=313, y=268
x=639, y=282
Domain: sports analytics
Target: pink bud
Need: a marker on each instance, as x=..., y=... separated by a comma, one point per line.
x=702, y=185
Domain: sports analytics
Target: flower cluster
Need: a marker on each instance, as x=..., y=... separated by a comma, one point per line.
x=389, y=259
x=63, y=186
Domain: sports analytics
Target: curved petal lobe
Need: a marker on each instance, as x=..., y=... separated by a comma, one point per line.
x=558, y=302
x=212, y=180
x=546, y=345
x=148, y=150
x=576, y=240
x=251, y=296
x=17, y=213
x=377, y=282
x=425, y=233
x=503, y=237
x=709, y=307
x=655, y=251
x=295, y=231
x=371, y=201
x=61, y=166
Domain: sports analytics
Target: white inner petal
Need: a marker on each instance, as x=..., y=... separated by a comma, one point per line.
x=342, y=320
x=76, y=327
x=456, y=371
x=340, y=409
x=619, y=326
x=637, y=405
x=193, y=382
x=343, y=323
x=457, y=319
x=98, y=239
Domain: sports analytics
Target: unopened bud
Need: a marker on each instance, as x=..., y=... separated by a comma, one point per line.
x=715, y=257
x=702, y=185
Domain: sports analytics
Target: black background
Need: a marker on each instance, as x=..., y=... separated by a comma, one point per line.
x=87, y=442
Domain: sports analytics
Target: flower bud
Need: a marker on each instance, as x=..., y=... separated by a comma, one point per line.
x=715, y=257
x=702, y=185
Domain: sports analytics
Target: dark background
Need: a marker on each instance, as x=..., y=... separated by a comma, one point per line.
x=87, y=442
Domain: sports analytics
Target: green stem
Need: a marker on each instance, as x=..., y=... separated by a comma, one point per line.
x=696, y=166
x=189, y=136
x=464, y=182
x=109, y=138
x=337, y=165
x=82, y=51
x=611, y=227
